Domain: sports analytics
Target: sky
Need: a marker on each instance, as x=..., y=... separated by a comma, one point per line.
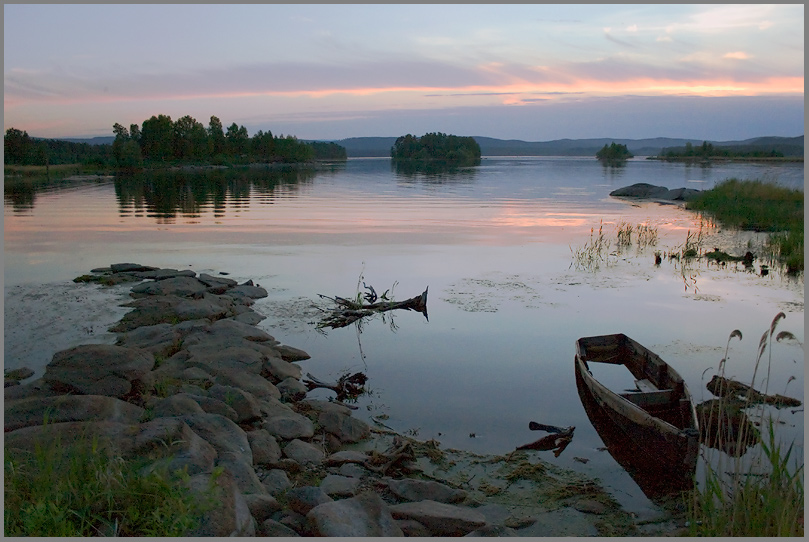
x=535, y=72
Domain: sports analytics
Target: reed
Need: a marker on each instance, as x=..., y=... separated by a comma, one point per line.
x=594, y=252
x=82, y=490
x=747, y=493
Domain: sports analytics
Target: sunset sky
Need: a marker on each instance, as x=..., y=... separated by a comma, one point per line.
x=532, y=72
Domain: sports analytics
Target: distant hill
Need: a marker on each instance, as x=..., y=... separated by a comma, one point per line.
x=380, y=146
x=105, y=140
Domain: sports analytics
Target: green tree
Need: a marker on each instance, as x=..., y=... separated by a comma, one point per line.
x=216, y=136
x=157, y=135
x=449, y=149
x=238, y=142
x=17, y=147
x=614, y=153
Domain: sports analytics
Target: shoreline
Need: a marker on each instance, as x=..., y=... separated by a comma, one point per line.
x=487, y=481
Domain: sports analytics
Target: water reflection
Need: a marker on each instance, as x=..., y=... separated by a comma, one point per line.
x=432, y=172
x=165, y=194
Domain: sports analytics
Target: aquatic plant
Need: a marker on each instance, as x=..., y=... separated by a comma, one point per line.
x=760, y=495
x=594, y=252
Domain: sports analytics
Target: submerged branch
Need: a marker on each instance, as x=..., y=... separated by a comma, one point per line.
x=348, y=311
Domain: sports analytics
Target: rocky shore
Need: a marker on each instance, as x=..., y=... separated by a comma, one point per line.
x=193, y=385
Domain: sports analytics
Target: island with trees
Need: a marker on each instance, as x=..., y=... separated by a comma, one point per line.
x=450, y=150
x=614, y=154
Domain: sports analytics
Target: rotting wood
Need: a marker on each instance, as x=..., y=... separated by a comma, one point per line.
x=725, y=387
x=348, y=311
x=348, y=386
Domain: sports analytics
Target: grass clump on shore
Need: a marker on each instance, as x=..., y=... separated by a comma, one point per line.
x=760, y=206
x=82, y=490
x=748, y=493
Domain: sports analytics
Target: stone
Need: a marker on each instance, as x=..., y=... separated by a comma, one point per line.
x=265, y=448
x=214, y=406
x=176, y=405
x=289, y=426
x=230, y=516
x=159, y=339
x=18, y=374
x=246, y=407
x=170, y=308
x=649, y=191
x=589, y=506
x=234, y=357
x=115, y=436
x=412, y=528
x=303, y=499
x=223, y=434
x=260, y=387
x=273, y=528
x=209, y=280
x=441, y=519
x=346, y=456
x=346, y=428
x=291, y=389
x=100, y=369
x=248, y=290
x=289, y=353
x=493, y=530
x=160, y=274
x=172, y=440
x=303, y=452
x=353, y=470
x=277, y=369
x=262, y=506
x=233, y=328
x=339, y=486
x=249, y=317
x=408, y=489
x=179, y=286
x=68, y=408
x=276, y=481
x=360, y=516
x=243, y=474
x=129, y=267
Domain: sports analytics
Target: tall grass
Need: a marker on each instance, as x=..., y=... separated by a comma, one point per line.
x=83, y=490
x=759, y=206
x=761, y=495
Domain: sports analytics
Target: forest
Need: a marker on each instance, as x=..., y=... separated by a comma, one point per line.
x=708, y=151
x=159, y=142
x=615, y=152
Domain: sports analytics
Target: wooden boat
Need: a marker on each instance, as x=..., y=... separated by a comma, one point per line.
x=658, y=418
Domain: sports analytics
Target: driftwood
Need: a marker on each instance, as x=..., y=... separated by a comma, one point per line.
x=724, y=426
x=725, y=387
x=348, y=311
x=556, y=441
x=400, y=452
x=347, y=386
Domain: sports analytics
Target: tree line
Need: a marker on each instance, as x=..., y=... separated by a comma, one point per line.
x=159, y=140
x=707, y=150
x=615, y=152
x=436, y=147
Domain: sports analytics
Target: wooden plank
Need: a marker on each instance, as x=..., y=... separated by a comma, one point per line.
x=645, y=385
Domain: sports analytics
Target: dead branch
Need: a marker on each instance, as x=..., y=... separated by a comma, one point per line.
x=347, y=386
x=725, y=387
x=348, y=311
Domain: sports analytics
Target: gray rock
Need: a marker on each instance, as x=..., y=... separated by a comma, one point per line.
x=259, y=387
x=409, y=489
x=244, y=476
x=160, y=274
x=344, y=427
x=223, y=434
x=100, y=369
x=233, y=328
x=289, y=426
x=292, y=389
x=234, y=357
x=363, y=515
x=303, y=499
x=353, y=470
x=589, y=506
x=262, y=506
x=214, y=406
x=249, y=317
x=493, y=530
x=649, y=191
x=169, y=308
x=18, y=374
x=249, y=291
x=273, y=528
x=210, y=280
x=265, y=448
x=159, y=339
x=68, y=408
x=277, y=369
x=304, y=453
x=276, y=481
x=176, y=405
x=114, y=436
x=289, y=353
x=412, y=528
x=441, y=519
x=129, y=267
x=246, y=407
x=179, y=286
x=339, y=486
x=231, y=516
x=346, y=456
x=172, y=440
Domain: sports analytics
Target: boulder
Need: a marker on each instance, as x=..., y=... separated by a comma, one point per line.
x=344, y=427
x=214, y=406
x=158, y=339
x=68, y=408
x=441, y=519
x=114, y=436
x=346, y=456
x=303, y=499
x=292, y=389
x=261, y=506
x=276, y=481
x=246, y=407
x=248, y=290
x=289, y=425
x=303, y=453
x=360, y=516
x=233, y=357
x=230, y=516
x=170, y=309
x=233, y=328
x=244, y=476
x=650, y=191
x=173, y=441
x=335, y=485
x=289, y=353
x=176, y=405
x=265, y=448
x=227, y=438
x=274, y=528
x=128, y=268
x=408, y=489
x=100, y=369
x=212, y=281
x=276, y=369
x=179, y=286
x=260, y=388
x=160, y=274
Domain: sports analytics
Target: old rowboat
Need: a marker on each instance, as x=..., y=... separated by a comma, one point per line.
x=657, y=418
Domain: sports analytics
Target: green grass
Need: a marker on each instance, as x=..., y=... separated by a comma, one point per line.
x=83, y=490
x=759, y=206
x=759, y=493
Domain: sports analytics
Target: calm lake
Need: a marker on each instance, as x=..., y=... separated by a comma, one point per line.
x=494, y=244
